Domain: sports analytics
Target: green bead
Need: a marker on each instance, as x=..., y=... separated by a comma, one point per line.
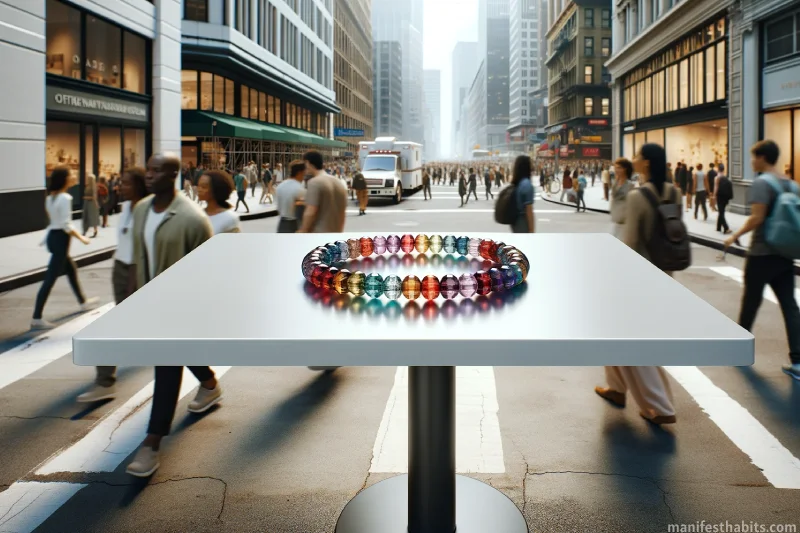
x=355, y=283
x=374, y=285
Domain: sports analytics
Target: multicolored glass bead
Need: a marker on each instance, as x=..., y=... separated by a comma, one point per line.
x=367, y=246
x=422, y=243
x=340, y=280
x=380, y=245
x=450, y=244
x=411, y=287
x=344, y=249
x=327, y=277
x=355, y=248
x=373, y=285
x=393, y=244
x=509, y=277
x=392, y=287
x=430, y=287
x=355, y=283
x=316, y=275
x=467, y=285
x=518, y=273
x=498, y=283
x=407, y=243
x=473, y=246
x=484, y=282
x=333, y=249
x=435, y=244
x=449, y=286
x=462, y=245
x=488, y=250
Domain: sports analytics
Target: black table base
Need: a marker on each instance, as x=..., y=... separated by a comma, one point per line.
x=431, y=498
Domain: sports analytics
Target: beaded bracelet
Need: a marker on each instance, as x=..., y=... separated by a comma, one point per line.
x=510, y=268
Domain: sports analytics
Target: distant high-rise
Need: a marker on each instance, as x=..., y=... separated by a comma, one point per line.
x=387, y=84
x=402, y=22
x=465, y=66
x=433, y=113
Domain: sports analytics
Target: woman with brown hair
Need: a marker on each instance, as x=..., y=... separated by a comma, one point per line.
x=91, y=209
x=214, y=188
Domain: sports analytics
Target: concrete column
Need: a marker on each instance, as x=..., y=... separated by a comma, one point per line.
x=751, y=102
x=167, y=78
x=618, y=29
x=22, y=116
x=648, y=15
x=230, y=13
x=254, y=20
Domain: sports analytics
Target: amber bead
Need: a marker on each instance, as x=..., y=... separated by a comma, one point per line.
x=355, y=283
x=430, y=287
x=411, y=287
x=340, y=281
x=407, y=243
x=367, y=246
x=422, y=243
x=355, y=248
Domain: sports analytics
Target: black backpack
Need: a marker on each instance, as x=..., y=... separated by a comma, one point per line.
x=669, y=246
x=505, y=208
x=725, y=189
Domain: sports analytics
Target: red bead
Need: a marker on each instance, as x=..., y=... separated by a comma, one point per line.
x=367, y=246
x=327, y=277
x=316, y=275
x=430, y=287
x=484, y=282
x=484, y=248
x=407, y=243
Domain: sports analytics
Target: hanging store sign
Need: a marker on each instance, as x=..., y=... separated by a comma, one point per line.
x=72, y=101
x=346, y=132
x=598, y=122
x=592, y=139
x=781, y=87
x=590, y=151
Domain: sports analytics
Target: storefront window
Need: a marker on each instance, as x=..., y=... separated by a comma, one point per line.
x=639, y=140
x=188, y=89
x=721, y=71
x=88, y=150
x=277, y=107
x=778, y=128
x=271, y=109
x=134, y=72
x=63, y=146
x=253, y=104
x=648, y=97
x=108, y=152
x=103, y=52
x=262, y=107
x=245, y=101
x=684, y=83
x=711, y=75
x=627, y=146
x=206, y=91
x=704, y=142
x=134, y=148
x=219, y=94
x=656, y=136
x=63, y=40
x=696, y=82
x=229, y=97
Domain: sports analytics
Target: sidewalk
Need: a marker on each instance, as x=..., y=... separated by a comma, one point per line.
x=23, y=261
x=701, y=232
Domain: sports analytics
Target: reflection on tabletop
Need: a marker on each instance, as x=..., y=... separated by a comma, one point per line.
x=412, y=310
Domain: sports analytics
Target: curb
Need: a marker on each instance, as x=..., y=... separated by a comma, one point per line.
x=35, y=276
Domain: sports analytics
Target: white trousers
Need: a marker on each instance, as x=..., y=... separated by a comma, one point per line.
x=648, y=385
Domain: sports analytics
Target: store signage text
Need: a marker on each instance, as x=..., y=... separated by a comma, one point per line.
x=592, y=139
x=598, y=122
x=591, y=152
x=68, y=100
x=629, y=128
x=781, y=87
x=345, y=132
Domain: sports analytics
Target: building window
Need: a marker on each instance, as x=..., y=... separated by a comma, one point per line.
x=588, y=106
x=134, y=67
x=779, y=37
x=103, y=52
x=588, y=17
x=206, y=91
x=605, y=46
x=605, y=18
x=605, y=104
x=188, y=89
x=195, y=10
x=588, y=46
x=588, y=74
x=63, y=40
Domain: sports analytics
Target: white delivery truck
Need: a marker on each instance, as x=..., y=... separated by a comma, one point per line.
x=390, y=167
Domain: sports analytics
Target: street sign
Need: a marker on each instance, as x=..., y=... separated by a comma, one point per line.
x=346, y=132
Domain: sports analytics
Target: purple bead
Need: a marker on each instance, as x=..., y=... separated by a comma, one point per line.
x=509, y=277
x=393, y=244
x=449, y=286
x=380, y=245
x=467, y=285
x=498, y=281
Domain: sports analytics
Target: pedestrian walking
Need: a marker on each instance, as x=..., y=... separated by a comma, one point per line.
x=60, y=231
x=132, y=189
x=765, y=265
x=426, y=185
x=473, y=184
x=623, y=170
x=325, y=201
x=240, y=182
x=488, y=178
x=723, y=194
x=362, y=194
x=167, y=227
x=289, y=196
x=649, y=385
x=711, y=177
x=605, y=177
x=266, y=184
x=91, y=209
x=700, y=191
x=580, y=185
x=462, y=189
x=214, y=188
x=102, y=200
x=690, y=188
x=253, y=177
x=523, y=192
x=566, y=184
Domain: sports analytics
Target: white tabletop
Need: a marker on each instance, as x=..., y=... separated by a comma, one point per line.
x=241, y=299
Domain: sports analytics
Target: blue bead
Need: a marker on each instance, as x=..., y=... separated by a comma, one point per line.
x=344, y=249
x=462, y=245
x=334, y=251
x=450, y=244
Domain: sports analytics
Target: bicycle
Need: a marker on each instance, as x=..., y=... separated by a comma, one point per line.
x=552, y=185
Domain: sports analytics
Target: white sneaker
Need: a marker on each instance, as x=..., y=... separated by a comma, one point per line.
x=98, y=393
x=90, y=303
x=205, y=399
x=41, y=323
x=145, y=462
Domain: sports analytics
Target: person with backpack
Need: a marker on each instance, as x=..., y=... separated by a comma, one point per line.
x=566, y=184
x=580, y=190
x=775, y=244
x=723, y=194
x=514, y=205
x=654, y=212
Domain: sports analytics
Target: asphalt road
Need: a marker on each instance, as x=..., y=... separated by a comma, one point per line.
x=287, y=448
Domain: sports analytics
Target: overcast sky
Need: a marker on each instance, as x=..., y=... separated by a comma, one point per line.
x=446, y=23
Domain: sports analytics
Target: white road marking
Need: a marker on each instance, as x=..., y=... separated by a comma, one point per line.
x=116, y=436
x=456, y=210
x=479, y=447
x=737, y=274
x=778, y=465
x=25, y=505
x=25, y=359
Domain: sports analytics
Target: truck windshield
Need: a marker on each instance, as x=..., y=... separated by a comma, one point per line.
x=380, y=162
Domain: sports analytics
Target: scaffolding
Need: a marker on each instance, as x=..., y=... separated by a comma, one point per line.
x=230, y=153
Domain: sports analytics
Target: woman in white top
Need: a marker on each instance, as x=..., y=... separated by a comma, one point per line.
x=214, y=188
x=623, y=169
x=132, y=189
x=59, y=233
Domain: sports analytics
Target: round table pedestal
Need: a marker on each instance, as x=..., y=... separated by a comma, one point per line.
x=384, y=508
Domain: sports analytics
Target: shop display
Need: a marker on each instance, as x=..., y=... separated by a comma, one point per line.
x=509, y=268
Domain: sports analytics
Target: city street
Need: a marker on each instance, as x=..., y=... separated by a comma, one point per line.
x=287, y=448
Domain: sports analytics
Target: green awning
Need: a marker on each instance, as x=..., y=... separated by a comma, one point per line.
x=199, y=124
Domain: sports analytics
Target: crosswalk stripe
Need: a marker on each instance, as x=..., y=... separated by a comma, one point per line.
x=25, y=359
x=479, y=446
x=116, y=436
x=25, y=505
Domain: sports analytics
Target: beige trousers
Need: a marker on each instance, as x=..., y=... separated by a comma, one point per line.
x=648, y=385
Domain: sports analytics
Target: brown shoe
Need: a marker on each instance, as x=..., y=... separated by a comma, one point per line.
x=615, y=397
x=660, y=419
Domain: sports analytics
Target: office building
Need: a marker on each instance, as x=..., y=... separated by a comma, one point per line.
x=579, y=43
x=352, y=72
x=464, y=68
x=388, y=89
x=433, y=113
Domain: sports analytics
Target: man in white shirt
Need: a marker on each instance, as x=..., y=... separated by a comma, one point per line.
x=289, y=197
